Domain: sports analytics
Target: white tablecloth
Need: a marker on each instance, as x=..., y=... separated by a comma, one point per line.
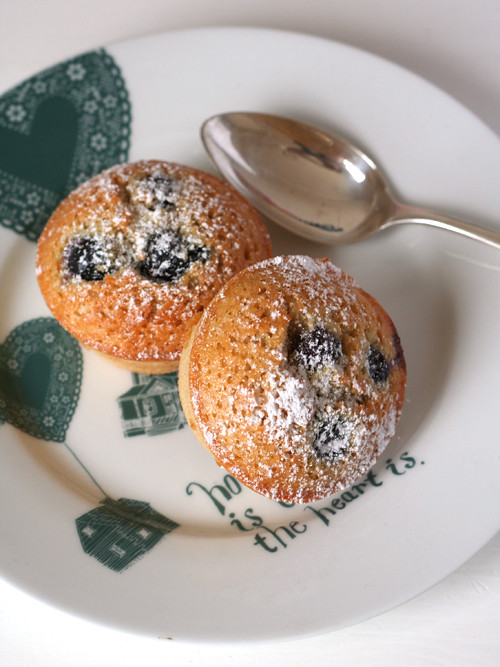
x=453, y=43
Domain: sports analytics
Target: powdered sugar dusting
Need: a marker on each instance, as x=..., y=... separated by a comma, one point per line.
x=288, y=409
x=126, y=214
x=134, y=255
x=294, y=420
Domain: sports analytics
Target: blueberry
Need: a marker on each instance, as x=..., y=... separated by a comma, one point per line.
x=163, y=190
x=169, y=256
x=315, y=348
x=87, y=259
x=378, y=366
x=197, y=252
x=331, y=438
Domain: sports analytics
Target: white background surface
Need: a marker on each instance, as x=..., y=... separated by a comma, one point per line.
x=452, y=43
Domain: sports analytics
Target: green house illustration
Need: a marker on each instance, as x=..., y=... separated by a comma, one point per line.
x=119, y=532
x=152, y=405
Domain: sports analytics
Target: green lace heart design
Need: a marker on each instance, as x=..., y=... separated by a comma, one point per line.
x=40, y=378
x=58, y=129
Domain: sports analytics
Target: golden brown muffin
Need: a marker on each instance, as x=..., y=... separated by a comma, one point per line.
x=293, y=379
x=129, y=260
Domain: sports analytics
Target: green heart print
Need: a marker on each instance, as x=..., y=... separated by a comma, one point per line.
x=40, y=378
x=58, y=129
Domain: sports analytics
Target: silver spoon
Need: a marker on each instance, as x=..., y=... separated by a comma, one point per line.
x=315, y=184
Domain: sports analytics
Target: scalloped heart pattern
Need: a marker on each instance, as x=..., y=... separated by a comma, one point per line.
x=40, y=378
x=57, y=129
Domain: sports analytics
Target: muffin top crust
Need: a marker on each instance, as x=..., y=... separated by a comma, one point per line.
x=129, y=260
x=296, y=378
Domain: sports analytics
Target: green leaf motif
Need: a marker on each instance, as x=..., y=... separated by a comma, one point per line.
x=40, y=378
x=58, y=129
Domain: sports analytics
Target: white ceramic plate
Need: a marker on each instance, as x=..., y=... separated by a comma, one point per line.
x=238, y=566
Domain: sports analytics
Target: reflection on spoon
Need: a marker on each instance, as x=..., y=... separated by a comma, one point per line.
x=313, y=183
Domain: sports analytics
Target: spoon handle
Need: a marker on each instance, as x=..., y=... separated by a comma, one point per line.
x=404, y=214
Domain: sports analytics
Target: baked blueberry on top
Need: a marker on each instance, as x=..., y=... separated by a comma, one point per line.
x=169, y=256
x=330, y=438
x=164, y=190
x=128, y=262
x=315, y=348
x=293, y=379
x=87, y=259
x=378, y=366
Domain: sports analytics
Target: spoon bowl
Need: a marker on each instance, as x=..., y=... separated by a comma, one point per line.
x=311, y=182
